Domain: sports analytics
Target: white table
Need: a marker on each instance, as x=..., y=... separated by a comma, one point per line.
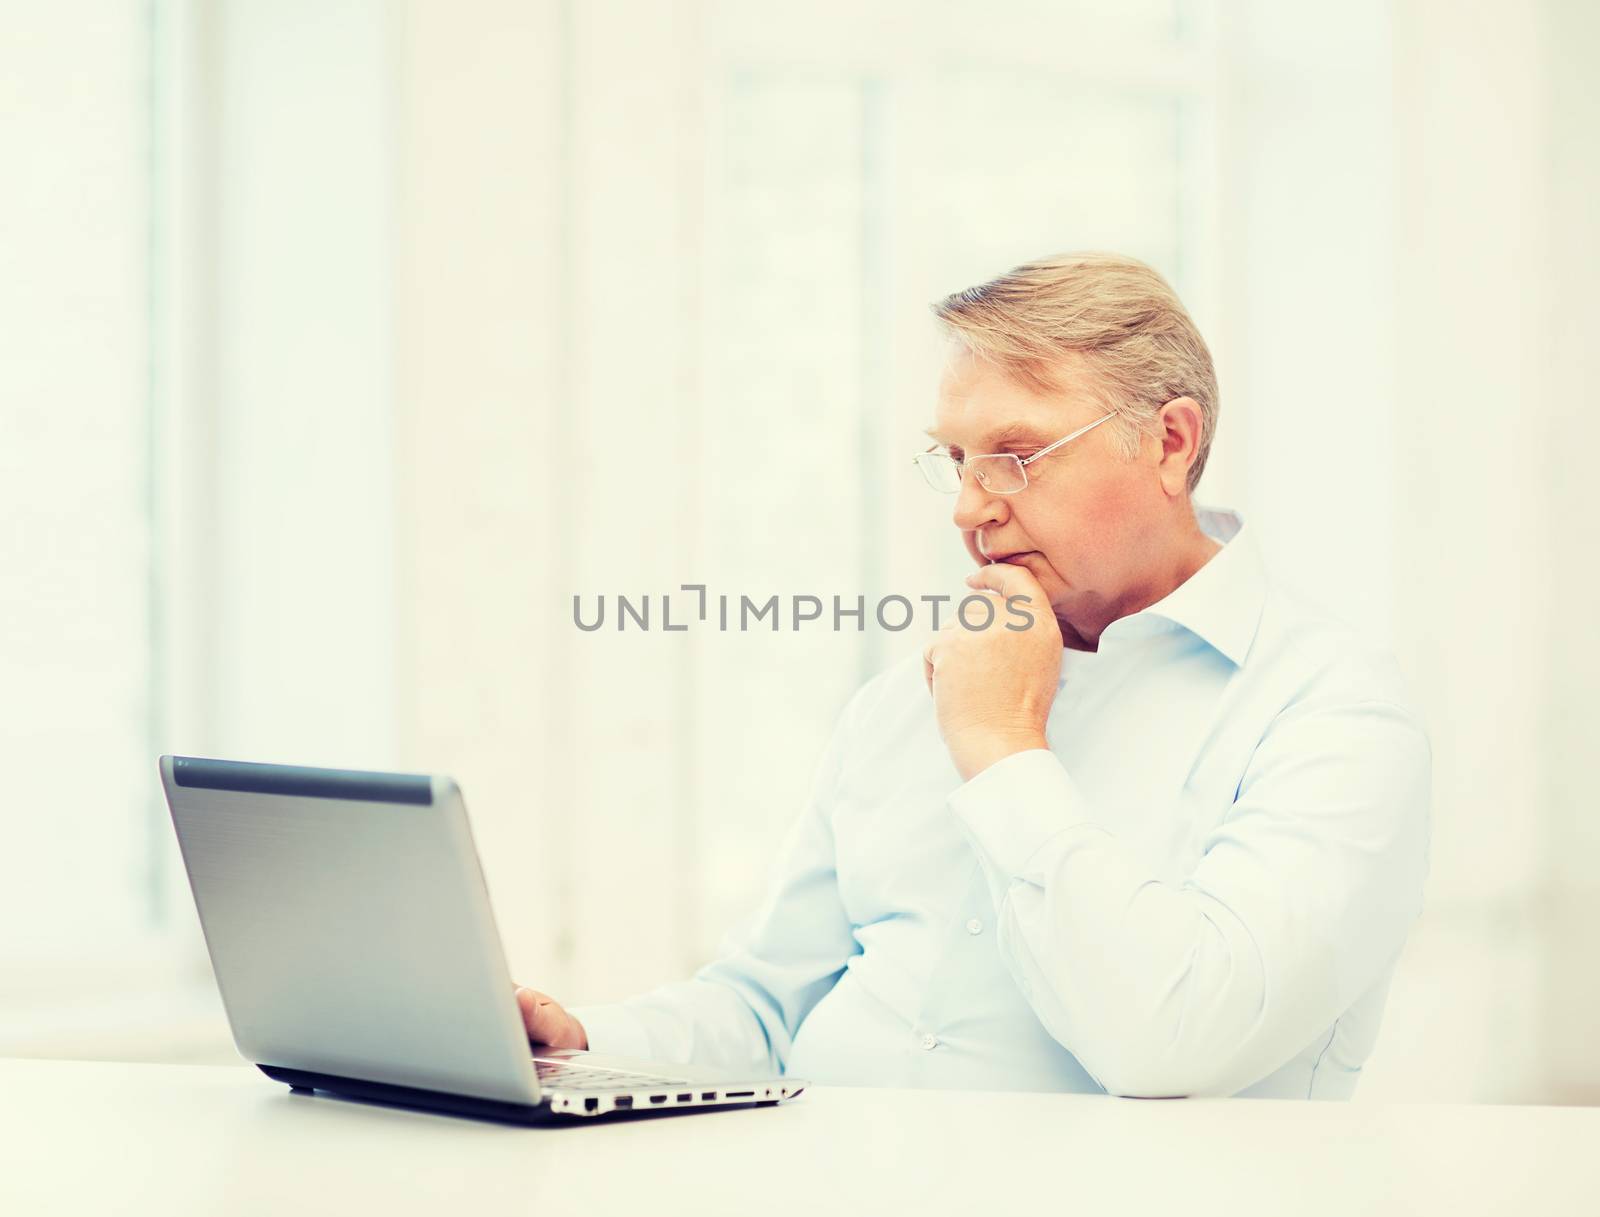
x=90, y=1138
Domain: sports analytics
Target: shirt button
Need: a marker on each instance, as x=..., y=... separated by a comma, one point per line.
x=930, y=1042
x=974, y=926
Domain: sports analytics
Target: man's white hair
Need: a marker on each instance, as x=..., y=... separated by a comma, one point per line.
x=1123, y=320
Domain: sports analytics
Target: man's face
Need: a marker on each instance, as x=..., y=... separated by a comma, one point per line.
x=1089, y=524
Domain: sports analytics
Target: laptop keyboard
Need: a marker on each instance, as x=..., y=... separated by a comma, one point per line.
x=565, y=1075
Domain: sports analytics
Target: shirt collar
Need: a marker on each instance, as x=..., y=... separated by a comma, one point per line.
x=1221, y=602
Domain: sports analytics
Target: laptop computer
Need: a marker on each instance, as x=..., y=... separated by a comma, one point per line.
x=350, y=931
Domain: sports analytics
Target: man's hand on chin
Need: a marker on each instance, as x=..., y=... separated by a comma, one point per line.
x=992, y=688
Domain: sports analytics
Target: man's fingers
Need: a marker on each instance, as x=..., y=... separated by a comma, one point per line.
x=542, y=1017
x=528, y=1003
x=547, y=1022
x=930, y=650
x=1006, y=579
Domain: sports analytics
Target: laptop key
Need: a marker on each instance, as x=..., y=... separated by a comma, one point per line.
x=576, y=1077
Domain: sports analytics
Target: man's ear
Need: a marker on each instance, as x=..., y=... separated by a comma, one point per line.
x=1181, y=426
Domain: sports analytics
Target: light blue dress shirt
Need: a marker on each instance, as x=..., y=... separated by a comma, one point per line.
x=1201, y=888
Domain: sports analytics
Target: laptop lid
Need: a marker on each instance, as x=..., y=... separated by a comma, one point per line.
x=349, y=925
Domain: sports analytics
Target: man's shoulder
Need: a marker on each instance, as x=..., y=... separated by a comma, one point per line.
x=1326, y=657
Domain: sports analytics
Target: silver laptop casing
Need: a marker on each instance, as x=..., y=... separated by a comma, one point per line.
x=350, y=931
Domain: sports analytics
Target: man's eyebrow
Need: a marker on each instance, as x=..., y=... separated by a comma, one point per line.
x=1014, y=433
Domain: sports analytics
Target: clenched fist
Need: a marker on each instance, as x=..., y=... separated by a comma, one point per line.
x=992, y=687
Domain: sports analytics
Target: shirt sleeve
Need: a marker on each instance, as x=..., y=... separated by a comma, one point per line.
x=1301, y=899
x=743, y=1010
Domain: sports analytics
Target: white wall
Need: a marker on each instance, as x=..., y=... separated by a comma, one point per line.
x=1569, y=713
x=1480, y=525
x=481, y=171
x=1306, y=361
x=305, y=606
x=76, y=598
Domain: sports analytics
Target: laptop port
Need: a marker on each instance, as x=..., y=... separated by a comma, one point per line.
x=591, y=1104
x=686, y=1098
x=708, y=1095
x=658, y=1098
x=622, y=1101
x=741, y=1094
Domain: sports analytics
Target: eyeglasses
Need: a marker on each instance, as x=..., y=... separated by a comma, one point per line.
x=997, y=472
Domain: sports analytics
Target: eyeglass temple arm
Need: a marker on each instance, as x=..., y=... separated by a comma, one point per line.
x=1065, y=439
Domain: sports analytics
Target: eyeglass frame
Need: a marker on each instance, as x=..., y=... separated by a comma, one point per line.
x=1022, y=462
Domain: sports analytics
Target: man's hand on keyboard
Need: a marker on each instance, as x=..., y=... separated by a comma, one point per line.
x=547, y=1023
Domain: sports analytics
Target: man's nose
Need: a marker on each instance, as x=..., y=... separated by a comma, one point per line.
x=975, y=506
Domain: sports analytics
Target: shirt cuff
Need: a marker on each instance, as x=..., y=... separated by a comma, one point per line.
x=614, y=1030
x=1017, y=804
